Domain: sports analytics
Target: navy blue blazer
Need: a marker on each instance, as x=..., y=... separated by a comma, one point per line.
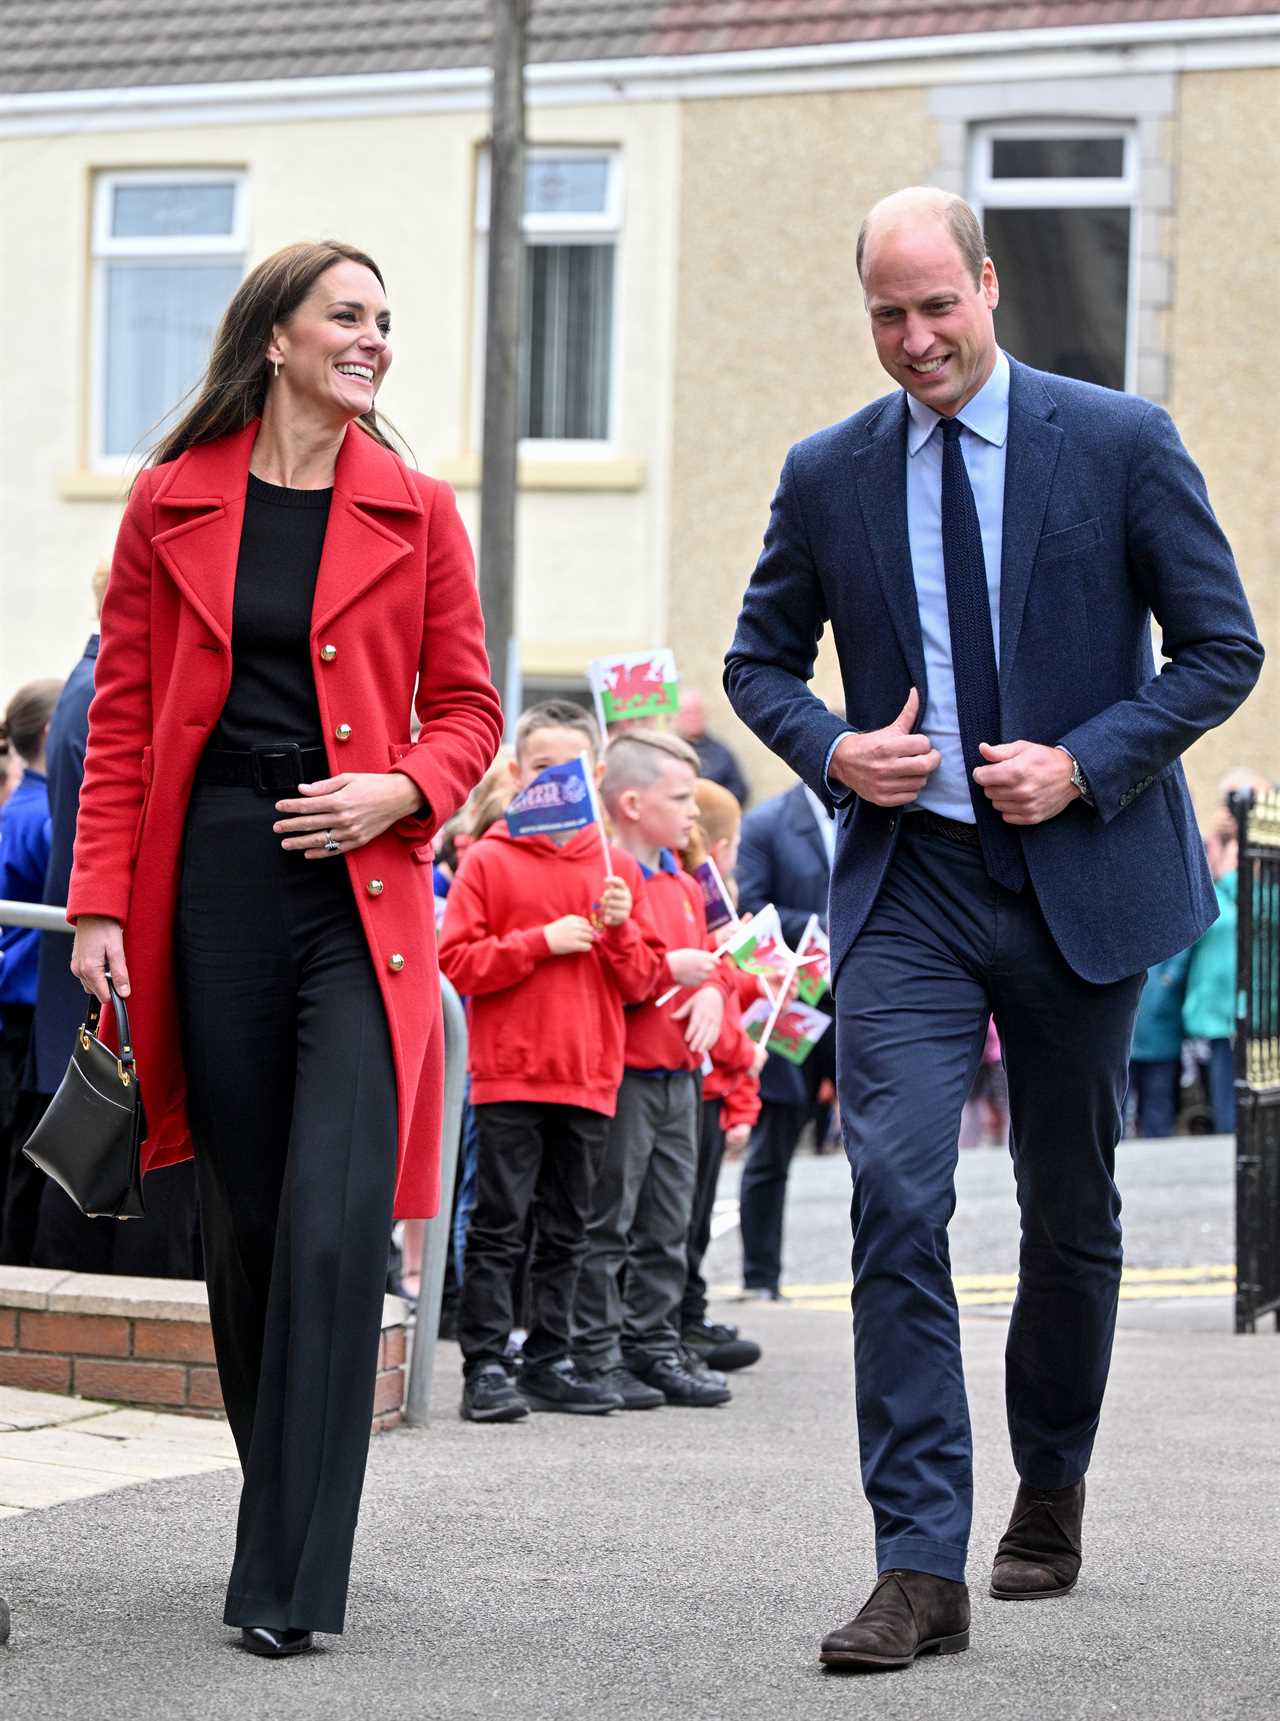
x=1107, y=522
x=60, y=999
x=782, y=859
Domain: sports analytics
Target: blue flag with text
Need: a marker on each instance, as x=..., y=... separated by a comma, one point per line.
x=561, y=798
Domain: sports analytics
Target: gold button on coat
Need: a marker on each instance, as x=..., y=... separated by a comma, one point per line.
x=395, y=963
x=343, y=731
x=328, y=653
x=375, y=887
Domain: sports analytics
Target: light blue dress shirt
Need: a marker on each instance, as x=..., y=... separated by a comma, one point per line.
x=982, y=443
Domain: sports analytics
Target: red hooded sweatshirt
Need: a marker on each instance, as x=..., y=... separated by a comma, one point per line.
x=730, y=1079
x=543, y=1027
x=673, y=902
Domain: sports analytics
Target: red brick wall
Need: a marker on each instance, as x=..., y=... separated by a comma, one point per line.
x=163, y=1365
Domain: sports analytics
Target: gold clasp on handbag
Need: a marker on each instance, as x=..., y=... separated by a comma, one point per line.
x=85, y=1041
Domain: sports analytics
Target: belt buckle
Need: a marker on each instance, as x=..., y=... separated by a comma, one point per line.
x=277, y=769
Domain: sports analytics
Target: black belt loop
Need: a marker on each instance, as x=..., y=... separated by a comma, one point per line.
x=274, y=769
x=952, y=830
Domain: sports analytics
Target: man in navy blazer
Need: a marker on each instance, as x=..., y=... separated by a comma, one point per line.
x=783, y=858
x=988, y=545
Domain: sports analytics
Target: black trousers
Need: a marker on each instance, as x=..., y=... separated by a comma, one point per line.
x=693, y=1306
x=538, y=1159
x=291, y=1092
x=942, y=950
x=20, y=1111
x=762, y=1195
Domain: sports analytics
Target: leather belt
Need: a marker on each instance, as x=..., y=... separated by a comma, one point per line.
x=952, y=830
x=269, y=770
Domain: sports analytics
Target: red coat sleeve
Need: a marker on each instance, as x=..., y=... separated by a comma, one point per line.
x=457, y=704
x=120, y=725
x=741, y=1104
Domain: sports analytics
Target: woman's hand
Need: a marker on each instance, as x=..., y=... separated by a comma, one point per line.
x=98, y=950
x=353, y=808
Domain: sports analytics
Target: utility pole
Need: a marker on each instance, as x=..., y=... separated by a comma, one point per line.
x=502, y=349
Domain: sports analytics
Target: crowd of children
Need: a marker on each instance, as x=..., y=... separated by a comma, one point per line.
x=608, y=1066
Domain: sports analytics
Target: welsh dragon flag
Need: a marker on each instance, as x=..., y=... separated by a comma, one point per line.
x=814, y=977
x=758, y=946
x=636, y=684
x=796, y=1032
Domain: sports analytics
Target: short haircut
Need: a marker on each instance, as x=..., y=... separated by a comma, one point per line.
x=962, y=224
x=719, y=811
x=638, y=758
x=557, y=714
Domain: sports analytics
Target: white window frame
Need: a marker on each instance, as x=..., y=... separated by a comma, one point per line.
x=987, y=192
x=106, y=248
x=547, y=229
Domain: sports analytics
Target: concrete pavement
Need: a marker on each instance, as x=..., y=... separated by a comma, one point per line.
x=685, y=1564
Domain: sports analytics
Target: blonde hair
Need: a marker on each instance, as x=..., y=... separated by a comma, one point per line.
x=638, y=758
x=719, y=811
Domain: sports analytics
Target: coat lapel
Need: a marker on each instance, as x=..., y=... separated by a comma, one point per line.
x=880, y=471
x=1032, y=456
x=361, y=545
x=206, y=487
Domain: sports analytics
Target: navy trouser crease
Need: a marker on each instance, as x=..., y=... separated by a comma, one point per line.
x=943, y=948
x=292, y=1100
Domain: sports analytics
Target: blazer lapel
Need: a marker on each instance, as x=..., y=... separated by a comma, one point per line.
x=360, y=544
x=1031, y=458
x=200, y=552
x=880, y=471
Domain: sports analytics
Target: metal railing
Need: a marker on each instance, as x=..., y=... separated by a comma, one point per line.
x=436, y=1245
x=1257, y=1061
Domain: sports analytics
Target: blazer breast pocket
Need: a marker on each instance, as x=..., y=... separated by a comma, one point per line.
x=1070, y=541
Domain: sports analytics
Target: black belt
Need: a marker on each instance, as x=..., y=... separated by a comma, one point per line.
x=953, y=830
x=274, y=770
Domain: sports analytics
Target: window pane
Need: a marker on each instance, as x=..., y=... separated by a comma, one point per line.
x=159, y=324
x=1057, y=158
x=566, y=185
x=1064, y=288
x=172, y=211
x=567, y=341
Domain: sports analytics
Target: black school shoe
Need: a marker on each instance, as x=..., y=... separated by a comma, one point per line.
x=559, y=1386
x=270, y=1641
x=719, y=1346
x=633, y=1392
x=488, y=1395
x=681, y=1385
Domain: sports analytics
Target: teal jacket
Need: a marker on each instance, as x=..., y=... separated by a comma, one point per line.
x=1157, y=1033
x=1209, y=1010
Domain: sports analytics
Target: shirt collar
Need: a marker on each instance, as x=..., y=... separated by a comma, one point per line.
x=667, y=862
x=987, y=414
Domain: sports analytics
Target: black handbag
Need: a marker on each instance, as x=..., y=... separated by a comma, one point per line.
x=90, y=1139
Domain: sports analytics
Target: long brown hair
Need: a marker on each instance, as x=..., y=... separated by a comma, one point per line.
x=26, y=718
x=233, y=390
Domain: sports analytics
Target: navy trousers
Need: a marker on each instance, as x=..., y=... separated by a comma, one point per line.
x=942, y=948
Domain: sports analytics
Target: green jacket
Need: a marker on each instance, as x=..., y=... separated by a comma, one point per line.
x=1209, y=1011
x=1157, y=1033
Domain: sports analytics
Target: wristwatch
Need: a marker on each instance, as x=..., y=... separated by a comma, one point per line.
x=1078, y=778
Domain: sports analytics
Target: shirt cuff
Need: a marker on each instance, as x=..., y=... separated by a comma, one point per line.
x=839, y=792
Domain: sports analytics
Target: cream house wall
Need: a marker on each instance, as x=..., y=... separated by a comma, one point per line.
x=592, y=535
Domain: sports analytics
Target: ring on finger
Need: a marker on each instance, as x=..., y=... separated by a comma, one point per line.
x=331, y=844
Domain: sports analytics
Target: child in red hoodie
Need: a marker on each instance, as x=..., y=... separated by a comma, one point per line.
x=626, y=1316
x=548, y=952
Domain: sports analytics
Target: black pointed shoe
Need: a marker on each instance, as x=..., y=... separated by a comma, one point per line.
x=907, y=1614
x=1039, y=1554
x=272, y=1641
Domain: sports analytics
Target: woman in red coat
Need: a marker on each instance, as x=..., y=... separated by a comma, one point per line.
x=254, y=846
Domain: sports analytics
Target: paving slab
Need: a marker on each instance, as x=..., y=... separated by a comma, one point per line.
x=22, y=1409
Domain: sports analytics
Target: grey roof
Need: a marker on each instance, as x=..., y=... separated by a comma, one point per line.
x=102, y=44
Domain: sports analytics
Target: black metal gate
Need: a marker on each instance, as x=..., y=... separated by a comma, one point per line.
x=1257, y=1062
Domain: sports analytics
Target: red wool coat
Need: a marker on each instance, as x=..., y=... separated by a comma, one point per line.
x=395, y=603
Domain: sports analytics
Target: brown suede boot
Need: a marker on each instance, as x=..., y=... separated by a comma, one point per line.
x=907, y=1614
x=1039, y=1554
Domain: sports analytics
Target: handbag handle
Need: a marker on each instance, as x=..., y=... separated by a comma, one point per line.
x=93, y=1015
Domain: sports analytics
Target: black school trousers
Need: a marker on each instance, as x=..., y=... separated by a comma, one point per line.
x=291, y=1096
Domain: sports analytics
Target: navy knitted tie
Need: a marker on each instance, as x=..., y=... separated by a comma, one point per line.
x=973, y=653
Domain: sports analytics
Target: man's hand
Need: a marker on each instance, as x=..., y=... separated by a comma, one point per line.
x=690, y=967
x=1025, y=782
x=353, y=808
x=887, y=767
x=570, y=935
x=705, y=1011
x=615, y=901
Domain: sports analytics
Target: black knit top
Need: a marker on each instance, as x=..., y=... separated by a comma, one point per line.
x=273, y=696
